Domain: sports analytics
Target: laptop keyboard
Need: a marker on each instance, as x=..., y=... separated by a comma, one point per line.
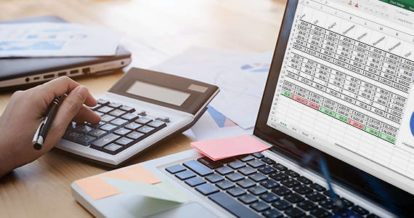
x=121, y=126
x=254, y=186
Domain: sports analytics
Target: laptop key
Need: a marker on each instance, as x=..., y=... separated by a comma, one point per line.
x=236, y=191
x=175, y=169
x=210, y=163
x=290, y=182
x=302, y=189
x=304, y=180
x=273, y=213
x=258, y=177
x=294, y=212
x=207, y=189
x=318, y=187
x=281, y=191
x=292, y=174
x=213, y=178
x=269, y=197
x=248, y=199
x=234, y=177
x=247, y=158
x=294, y=198
x=278, y=176
x=359, y=210
x=281, y=204
x=306, y=205
x=246, y=183
x=267, y=169
x=198, y=168
x=194, y=181
x=231, y=205
x=280, y=167
x=257, y=190
x=319, y=212
x=258, y=155
x=315, y=196
x=256, y=163
x=260, y=206
x=268, y=160
x=327, y=204
x=224, y=170
x=247, y=170
x=269, y=183
x=185, y=175
x=225, y=184
x=347, y=203
x=236, y=164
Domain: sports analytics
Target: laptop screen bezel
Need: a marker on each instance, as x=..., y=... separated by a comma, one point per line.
x=347, y=175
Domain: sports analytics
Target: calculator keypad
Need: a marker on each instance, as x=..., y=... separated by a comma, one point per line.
x=119, y=128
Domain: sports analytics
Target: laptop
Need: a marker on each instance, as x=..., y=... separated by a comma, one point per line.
x=339, y=88
x=26, y=72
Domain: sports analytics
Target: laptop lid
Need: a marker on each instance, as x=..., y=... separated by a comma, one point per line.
x=340, y=84
x=33, y=70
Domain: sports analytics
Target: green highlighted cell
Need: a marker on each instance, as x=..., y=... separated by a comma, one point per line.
x=328, y=112
x=342, y=118
x=287, y=94
x=371, y=131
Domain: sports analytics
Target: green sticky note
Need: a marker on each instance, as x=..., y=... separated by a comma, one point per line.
x=162, y=191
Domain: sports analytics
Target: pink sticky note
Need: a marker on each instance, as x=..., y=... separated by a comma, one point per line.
x=135, y=173
x=217, y=149
x=96, y=187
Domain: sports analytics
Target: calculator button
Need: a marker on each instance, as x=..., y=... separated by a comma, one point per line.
x=99, y=113
x=83, y=129
x=112, y=148
x=143, y=120
x=94, y=108
x=117, y=113
x=105, y=140
x=105, y=109
x=132, y=126
x=85, y=139
x=102, y=101
x=107, y=118
x=124, y=141
x=114, y=105
x=130, y=117
x=164, y=119
x=119, y=122
x=127, y=108
x=135, y=135
x=122, y=131
x=108, y=127
x=145, y=129
x=156, y=123
x=97, y=132
x=72, y=136
x=142, y=113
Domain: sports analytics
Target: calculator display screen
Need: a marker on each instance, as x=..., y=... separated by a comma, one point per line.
x=158, y=93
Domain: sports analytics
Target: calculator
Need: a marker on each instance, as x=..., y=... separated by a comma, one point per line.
x=141, y=109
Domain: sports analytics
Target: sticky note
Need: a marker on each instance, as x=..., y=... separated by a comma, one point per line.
x=162, y=191
x=217, y=149
x=136, y=173
x=96, y=187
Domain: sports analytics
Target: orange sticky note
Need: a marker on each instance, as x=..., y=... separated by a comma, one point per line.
x=96, y=187
x=136, y=173
x=217, y=149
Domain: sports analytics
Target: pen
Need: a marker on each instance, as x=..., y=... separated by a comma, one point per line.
x=41, y=132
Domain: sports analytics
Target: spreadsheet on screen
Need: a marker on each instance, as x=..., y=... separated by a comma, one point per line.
x=345, y=86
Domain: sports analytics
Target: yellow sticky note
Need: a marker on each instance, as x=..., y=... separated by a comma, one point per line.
x=96, y=187
x=136, y=173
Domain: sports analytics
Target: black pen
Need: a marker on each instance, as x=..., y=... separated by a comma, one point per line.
x=41, y=132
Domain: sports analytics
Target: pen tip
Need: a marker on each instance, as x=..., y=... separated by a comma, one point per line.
x=37, y=146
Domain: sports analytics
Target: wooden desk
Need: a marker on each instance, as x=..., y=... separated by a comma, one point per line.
x=154, y=31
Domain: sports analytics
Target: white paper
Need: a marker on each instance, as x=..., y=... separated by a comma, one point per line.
x=56, y=39
x=240, y=76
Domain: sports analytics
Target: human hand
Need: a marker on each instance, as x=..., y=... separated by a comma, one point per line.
x=25, y=111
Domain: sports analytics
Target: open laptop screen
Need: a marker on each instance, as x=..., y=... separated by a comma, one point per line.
x=341, y=82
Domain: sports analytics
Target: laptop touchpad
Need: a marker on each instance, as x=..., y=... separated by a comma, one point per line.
x=187, y=210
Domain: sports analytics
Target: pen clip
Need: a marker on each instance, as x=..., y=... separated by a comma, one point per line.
x=36, y=135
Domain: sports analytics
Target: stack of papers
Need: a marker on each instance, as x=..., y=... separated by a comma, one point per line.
x=51, y=39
